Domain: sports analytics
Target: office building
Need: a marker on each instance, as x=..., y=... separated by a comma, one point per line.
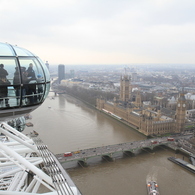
x=61, y=73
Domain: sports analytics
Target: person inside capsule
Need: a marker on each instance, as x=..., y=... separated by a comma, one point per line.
x=3, y=83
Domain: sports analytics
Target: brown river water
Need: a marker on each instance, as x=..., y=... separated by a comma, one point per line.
x=66, y=124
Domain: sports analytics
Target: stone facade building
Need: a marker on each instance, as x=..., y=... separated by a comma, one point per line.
x=148, y=120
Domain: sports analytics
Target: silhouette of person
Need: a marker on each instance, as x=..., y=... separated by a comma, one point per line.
x=16, y=83
x=32, y=84
x=31, y=72
x=39, y=86
x=3, y=72
x=4, y=91
x=25, y=80
x=3, y=87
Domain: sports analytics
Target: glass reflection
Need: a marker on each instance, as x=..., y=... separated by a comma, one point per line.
x=4, y=83
x=22, y=52
x=5, y=50
x=45, y=70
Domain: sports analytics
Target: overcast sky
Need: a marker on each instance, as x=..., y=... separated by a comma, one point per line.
x=101, y=31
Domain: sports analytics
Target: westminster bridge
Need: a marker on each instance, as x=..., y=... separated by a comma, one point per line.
x=109, y=152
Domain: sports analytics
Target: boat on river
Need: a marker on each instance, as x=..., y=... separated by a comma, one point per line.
x=152, y=188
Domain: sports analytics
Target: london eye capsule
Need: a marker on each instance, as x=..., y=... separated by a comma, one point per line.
x=24, y=81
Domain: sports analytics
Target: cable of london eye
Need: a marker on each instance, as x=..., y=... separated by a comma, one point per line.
x=26, y=164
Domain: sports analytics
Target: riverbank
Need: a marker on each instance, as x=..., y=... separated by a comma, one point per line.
x=94, y=107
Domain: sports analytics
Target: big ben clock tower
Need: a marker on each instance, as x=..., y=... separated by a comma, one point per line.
x=180, y=113
x=125, y=88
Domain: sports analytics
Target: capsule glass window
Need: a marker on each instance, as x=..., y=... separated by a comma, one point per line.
x=24, y=78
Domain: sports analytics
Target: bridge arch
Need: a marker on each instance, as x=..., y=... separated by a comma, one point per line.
x=107, y=157
x=82, y=162
x=148, y=148
x=129, y=152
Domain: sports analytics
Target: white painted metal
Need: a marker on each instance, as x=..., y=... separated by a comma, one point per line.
x=25, y=193
x=11, y=129
x=26, y=163
x=20, y=158
x=19, y=139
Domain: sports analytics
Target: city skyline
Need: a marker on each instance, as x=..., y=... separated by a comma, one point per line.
x=102, y=32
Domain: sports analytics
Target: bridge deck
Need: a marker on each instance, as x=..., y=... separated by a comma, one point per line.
x=133, y=147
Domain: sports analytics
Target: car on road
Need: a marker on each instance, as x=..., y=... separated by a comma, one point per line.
x=77, y=152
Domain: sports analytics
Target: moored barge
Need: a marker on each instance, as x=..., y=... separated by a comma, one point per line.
x=183, y=163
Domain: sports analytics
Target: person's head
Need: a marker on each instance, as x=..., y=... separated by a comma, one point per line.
x=1, y=65
x=31, y=65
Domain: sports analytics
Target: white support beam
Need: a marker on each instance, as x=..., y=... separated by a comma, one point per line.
x=16, y=132
x=25, y=193
x=26, y=164
x=18, y=139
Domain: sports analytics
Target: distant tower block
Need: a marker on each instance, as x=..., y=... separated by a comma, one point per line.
x=61, y=73
x=72, y=74
x=47, y=64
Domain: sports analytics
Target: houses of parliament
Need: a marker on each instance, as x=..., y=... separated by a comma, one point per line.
x=145, y=118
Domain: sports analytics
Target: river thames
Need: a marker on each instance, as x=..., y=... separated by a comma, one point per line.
x=65, y=124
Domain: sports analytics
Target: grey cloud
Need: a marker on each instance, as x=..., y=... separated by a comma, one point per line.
x=125, y=26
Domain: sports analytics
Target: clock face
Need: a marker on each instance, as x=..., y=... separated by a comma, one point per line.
x=178, y=105
x=184, y=105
